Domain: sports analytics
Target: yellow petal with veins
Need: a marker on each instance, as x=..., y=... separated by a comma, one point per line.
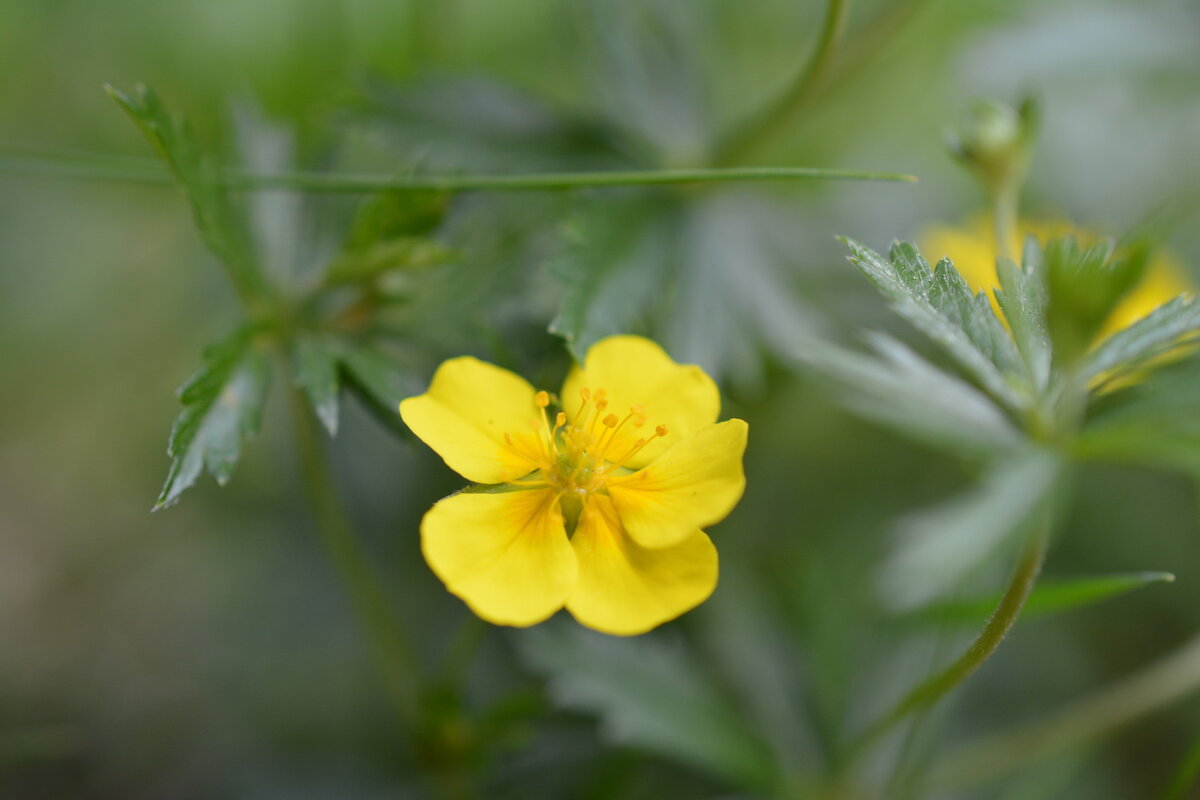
x=626, y=589
x=633, y=371
x=464, y=417
x=692, y=485
x=506, y=555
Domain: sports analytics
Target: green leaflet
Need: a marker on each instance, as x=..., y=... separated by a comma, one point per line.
x=1022, y=298
x=941, y=308
x=1146, y=338
x=223, y=404
x=220, y=227
x=1050, y=596
x=1154, y=422
x=653, y=694
x=613, y=269
x=315, y=371
x=903, y=391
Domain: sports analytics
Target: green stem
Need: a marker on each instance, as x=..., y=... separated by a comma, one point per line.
x=337, y=183
x=393, y=654
x=1165, y=682
x=1029, y=565
x=778, y=114
x=1004, y=202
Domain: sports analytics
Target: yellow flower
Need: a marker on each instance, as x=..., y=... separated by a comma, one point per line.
x=597, y=507
x=972, y=248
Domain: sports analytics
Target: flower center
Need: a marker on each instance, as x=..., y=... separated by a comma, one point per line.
x=578, y=456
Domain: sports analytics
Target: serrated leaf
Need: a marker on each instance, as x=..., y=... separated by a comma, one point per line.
x=377, y=380
x=221, y=229
x=1022, y=298
x=910, y=395
x=907, y=281
x=223, y=404
x=614, y=268
x=937, y=548
x=1049, y=596
x=315, y=371
x=1150, y=336
x=653, y=694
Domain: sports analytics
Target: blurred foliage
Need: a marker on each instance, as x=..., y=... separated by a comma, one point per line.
x=209, y=650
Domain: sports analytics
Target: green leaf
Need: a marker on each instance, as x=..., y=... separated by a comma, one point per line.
x=221, y=229
x=1022, y=298
x=614, y=268
x=940, y=308
x=1050, y=596
x=1149, y=336
x=1152, y=423
x=905, y=392
x=653, y=694
x=939, y=547
x=223, y=404
x=377, y=380
x=315, y=370
x=1083, y=287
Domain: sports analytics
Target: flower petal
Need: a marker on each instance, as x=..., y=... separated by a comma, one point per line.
x=636, y=371
x=505, y=554
x=692, y=485
x=464, y=416
x=626, y=589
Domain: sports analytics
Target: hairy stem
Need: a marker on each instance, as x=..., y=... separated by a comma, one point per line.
x=1029, y=565
x=393, y=654
x=778, y=114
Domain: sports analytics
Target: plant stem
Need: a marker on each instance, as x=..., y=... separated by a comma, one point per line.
x=393, y=654
x=763, y=125
x=338, y=183
x=1162, y=683
x=1029, y=565
x=1003, y=200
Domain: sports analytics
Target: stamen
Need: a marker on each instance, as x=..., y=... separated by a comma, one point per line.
x=542, y=399
x=662, y=430
x=611, y=421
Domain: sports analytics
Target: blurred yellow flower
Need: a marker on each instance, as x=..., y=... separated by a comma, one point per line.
x=972, y=248
x=635, y=464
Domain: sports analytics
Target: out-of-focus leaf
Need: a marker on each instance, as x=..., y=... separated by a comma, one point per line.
x=220, y=227
x=1146, y=338
x=905, y=392
x=940, y=309
x=315, y=371
x=377, y=380
x=481, y=123
x=223, y=404
x=1049, y=596
x=1022, y=297
x=939, y=547
x=649, y=62
x=615, y=267
x=731, y=301
x=1155, y=422
x=652, y=694
x=1083, y=287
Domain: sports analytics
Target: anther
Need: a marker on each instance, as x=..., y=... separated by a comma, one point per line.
x=661, y=430
x=585, y=394
x=638, y=410
x=542, y=399
x=560, y=419
x=611, y=421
